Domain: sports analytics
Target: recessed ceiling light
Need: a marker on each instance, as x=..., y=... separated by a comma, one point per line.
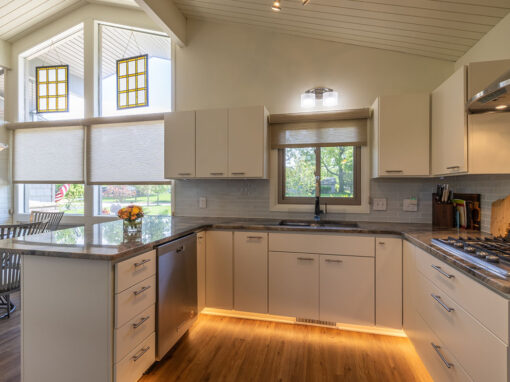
x=501, y=107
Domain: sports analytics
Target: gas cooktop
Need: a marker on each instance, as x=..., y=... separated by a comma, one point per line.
x=491, y=254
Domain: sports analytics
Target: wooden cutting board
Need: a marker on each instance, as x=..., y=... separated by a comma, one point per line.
x=500, y=217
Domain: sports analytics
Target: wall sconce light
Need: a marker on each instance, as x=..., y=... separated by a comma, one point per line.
x=328, y=96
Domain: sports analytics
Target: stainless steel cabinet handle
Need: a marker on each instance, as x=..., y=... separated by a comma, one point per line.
x=137, y=356
x=216, y=173
x=144, y=261
x=139, y=323
x=254, y=237
x=238, y=173
x=137, y=292
x=333, y=261
x=394, y=171
x=180, y=249
x=438, y=299
x=184, y=173
x=452, y=167
x=438, y=268
x=382, y=243
x=306, y=258
x=436, y=348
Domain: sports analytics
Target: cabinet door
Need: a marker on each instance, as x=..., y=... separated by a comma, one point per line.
x=219, y=270
x=250, y=272
x=404, y=131
x=294, y=284
x=212, y=143
x=247, y=142
x=347, y=289
x=180, y=144
x=408, y=274
x=388, y=282
x=449, y=126
x=201, y=270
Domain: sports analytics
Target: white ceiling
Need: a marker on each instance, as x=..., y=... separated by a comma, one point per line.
x=433, y=28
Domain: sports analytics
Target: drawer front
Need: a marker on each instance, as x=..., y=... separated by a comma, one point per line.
x=322, y=244
x=433, y=353
x=134, y=300
x=479, y=351
x=134, y=332
x=134, y=270
x=486, y=306
x=132, y=367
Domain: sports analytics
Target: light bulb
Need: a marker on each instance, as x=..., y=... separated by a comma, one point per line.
x=276, y=6
x=307, y=100
x=330, y=98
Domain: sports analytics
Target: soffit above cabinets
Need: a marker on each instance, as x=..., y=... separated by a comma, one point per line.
x=437, y=29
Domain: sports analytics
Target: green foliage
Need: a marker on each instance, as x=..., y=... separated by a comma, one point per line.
x=75, y=193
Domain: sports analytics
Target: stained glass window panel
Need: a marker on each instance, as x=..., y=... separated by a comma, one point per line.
x=132, y=86
x=52, y=84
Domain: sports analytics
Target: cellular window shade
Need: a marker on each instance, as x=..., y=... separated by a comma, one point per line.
x=48, y=155
x=320, y=133
x=130, y=153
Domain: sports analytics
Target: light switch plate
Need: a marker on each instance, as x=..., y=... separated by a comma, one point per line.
x=411, y=205
x=202, y=202
x=379, y=204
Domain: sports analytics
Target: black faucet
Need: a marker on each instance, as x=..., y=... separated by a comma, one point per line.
x=318, y=210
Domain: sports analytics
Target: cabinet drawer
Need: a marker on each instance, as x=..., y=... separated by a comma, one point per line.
x=134, y=300
x=134, y=332
x=486, y=306
x=483, y=355
x=134, y=270
x=132, y=367
x=322, y=244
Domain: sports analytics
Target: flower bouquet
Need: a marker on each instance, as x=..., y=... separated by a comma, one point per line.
x=132, y=216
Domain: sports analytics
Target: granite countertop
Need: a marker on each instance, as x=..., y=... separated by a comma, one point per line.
x=106, y=241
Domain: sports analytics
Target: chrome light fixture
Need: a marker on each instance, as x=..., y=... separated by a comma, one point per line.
x=277, y=7
x=328, y=96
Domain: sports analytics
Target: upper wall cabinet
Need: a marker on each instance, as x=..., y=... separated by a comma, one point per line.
x=220, y=143
x=449, y=125
x=400, y=132
x=180, y=145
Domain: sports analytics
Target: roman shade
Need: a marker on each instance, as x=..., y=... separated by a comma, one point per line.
x=349, y=132
x=131, y=153
x=49, y=155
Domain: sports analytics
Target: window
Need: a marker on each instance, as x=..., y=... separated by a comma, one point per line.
x=333, y=173
x=154, y=199
x=2, y=95
x=51, y=88
x=143, y=61
x=68, y=198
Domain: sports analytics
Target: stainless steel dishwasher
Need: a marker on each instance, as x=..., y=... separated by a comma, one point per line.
x=177, y=291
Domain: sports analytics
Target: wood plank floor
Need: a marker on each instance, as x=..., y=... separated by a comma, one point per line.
x=232, y=349
x=10, y=344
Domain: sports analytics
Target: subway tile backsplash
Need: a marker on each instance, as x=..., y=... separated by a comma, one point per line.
x=250, y=198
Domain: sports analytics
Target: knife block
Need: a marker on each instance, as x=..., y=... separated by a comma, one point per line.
x=443, y=215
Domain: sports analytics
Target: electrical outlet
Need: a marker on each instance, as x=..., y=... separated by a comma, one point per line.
x=379, y=204
x=411, y=205
x=202, y=202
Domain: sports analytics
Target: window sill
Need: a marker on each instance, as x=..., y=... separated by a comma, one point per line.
x=361, y=209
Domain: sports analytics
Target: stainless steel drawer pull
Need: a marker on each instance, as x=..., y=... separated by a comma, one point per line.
x=306, y=258
x=144, y=261
x=438, y=268
x=333, y=261
x=254, y=237
x=180, y=249
x=452, y=167
x=438, y=299
x=139, y=355
x=139, y=323
x=238, y=173
x=382, y=243
x=137, y=292
x=184, y=173
x=394, y=171
x=216, y=173
x=436, y=348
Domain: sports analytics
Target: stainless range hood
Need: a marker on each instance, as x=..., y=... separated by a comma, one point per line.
x=496, y=97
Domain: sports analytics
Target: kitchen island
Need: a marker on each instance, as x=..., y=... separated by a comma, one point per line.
x=72, y=294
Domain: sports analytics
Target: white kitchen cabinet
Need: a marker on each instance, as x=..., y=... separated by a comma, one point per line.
x=294, y=284
x=347, y=289
x=248, y=142
x=250, y=271
x=180, y=145
x=219, y=270
x=388, y=282
x=201, y=270
x=449, y=126
x=408, y=279
x=400, y=135
x=212, y=143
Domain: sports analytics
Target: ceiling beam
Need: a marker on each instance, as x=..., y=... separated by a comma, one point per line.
x=5, y=54
x=166, y=14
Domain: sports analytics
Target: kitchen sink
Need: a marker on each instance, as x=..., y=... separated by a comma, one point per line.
x=314, y=223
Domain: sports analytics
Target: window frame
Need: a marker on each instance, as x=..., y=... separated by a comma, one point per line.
x=354, y=201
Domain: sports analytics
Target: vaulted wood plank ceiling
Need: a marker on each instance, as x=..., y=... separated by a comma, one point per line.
x=432, y=28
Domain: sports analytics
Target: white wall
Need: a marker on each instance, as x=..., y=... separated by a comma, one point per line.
x=5, y=54
x=235, y=65
x=493, y=46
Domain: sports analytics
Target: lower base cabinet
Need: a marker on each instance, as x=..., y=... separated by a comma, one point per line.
x=347, y=289
x=219, y=289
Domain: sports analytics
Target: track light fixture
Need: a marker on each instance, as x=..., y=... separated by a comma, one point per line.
x=277, y=7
